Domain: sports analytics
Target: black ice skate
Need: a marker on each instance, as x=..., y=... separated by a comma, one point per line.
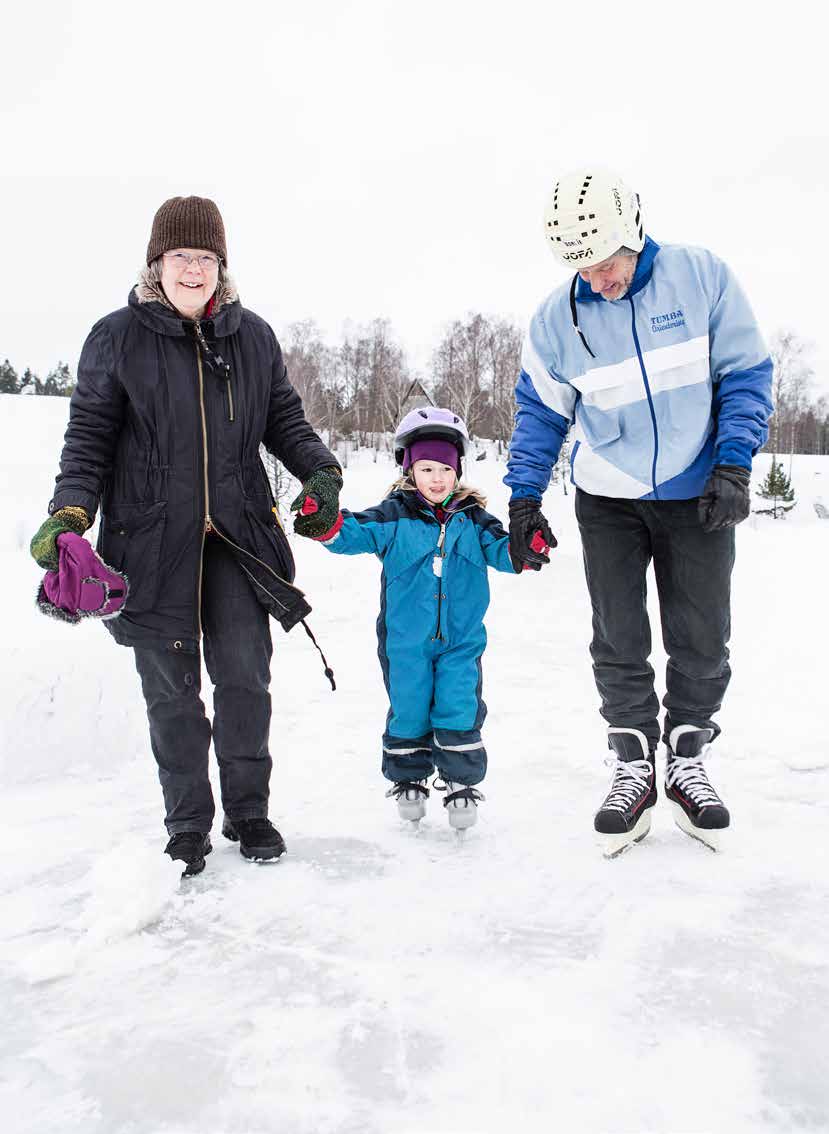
x=411, y=796
x=697, y=808
x=625, y=816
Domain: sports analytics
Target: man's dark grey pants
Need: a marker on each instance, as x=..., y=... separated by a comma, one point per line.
x=237, y=652
x=693, y=578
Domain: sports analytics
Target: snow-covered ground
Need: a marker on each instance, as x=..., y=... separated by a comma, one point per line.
x=377, y=981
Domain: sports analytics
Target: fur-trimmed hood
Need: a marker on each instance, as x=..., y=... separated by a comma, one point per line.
x=463, y=493
x=149, y=290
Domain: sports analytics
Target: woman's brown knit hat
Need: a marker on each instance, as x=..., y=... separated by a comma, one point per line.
x=187, y=222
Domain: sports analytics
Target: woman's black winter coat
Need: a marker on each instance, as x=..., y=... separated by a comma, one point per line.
x=162, y=440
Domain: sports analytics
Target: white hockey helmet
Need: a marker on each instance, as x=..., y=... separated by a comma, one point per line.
x=590, y=216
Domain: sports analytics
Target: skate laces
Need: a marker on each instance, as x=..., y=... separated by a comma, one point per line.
x=411, y=789
x=688, y=773
x=630, y=779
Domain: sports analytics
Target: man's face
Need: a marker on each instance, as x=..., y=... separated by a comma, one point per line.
x=612, y=277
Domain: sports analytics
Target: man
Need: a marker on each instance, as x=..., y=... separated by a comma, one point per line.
x=653, y=355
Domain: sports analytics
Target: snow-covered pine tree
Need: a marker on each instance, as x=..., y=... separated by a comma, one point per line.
x=777, y=488
x=8, y=378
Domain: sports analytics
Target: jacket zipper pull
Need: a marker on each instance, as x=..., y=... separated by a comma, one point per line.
x=229, y=400
x=437, y=560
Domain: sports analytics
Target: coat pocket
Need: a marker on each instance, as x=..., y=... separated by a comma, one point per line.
x=270, y=543
x=130, y=542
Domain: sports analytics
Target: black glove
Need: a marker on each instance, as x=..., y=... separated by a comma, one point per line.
x=726, y=499
x=318, y=503
x=525, y=519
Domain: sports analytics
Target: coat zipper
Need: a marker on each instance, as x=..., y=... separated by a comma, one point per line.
x=216, y=363
x=262, y=563
x=208, y=523
x=649, y=396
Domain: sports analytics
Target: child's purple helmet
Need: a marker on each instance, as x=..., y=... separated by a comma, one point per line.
x=430, y=423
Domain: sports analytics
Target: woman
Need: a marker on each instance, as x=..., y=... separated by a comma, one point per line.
x=175, y=393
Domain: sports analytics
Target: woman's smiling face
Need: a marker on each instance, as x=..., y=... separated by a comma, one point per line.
x=189, y=277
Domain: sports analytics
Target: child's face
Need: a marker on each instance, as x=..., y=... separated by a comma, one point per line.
x=434, y=480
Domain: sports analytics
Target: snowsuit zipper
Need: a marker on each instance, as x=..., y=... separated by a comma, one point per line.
x=437, y=567
x=438, y=561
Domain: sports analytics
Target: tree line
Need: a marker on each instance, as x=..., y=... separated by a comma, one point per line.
x=360, y=388
x=800, y=422
x=59, y=382
x=357, y=389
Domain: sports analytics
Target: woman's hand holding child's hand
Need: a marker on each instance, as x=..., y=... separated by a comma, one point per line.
x=318, y=505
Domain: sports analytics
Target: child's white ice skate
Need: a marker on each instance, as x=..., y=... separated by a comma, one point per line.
x=411, y=797
x=461, y=803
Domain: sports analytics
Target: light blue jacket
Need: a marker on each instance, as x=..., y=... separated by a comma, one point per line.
x=680, y=381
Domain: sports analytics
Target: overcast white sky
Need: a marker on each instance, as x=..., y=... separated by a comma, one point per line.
x=381, y=159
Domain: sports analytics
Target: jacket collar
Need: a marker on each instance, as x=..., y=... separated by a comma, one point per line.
x=644, y=270
x=154, y=311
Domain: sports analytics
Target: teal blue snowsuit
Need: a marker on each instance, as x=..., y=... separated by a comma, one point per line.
x=430, y=631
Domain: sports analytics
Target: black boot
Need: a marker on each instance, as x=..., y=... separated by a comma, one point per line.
x=189, y=847
x=257, y=838
x=698, y=810
x=625, y=815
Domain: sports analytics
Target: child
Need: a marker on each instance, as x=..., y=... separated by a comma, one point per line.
x=436, y=541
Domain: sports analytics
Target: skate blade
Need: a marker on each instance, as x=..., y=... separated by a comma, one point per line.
x=708, y=838
x=614, y=845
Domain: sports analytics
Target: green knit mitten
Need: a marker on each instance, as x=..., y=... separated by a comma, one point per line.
x=43, y=547
x=318, y=503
